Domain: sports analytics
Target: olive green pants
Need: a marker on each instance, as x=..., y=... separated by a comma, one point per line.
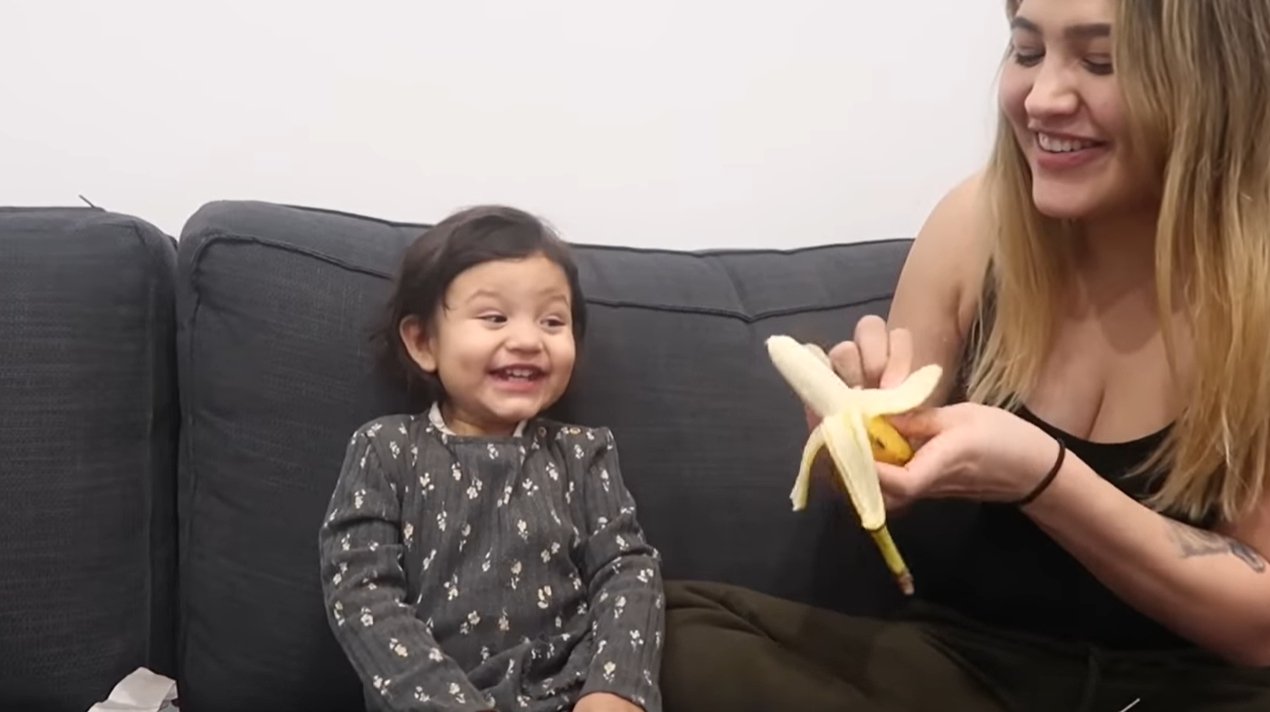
x=729, y=648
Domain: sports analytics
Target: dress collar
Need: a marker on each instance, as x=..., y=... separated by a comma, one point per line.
x=438, y=422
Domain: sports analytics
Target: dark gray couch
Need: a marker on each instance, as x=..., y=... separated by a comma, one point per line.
x=173, y=416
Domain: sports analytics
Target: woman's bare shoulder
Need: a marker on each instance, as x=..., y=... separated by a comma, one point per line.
x=938, y=290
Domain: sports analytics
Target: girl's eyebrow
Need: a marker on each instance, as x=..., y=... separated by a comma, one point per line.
x=482, y=292
x=555, y=294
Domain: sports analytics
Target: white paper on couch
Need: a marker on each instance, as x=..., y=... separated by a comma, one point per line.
x=141, y=691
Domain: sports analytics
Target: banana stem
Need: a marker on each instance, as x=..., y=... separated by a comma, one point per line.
x=894, y=562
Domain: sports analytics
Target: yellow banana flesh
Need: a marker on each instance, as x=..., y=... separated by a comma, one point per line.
x=887, y=443
x=855, y=432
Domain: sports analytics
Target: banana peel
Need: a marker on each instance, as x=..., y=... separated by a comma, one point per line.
x=885, y=441
x=855, y=431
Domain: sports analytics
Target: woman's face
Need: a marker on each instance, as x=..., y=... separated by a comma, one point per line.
x=1061, y=96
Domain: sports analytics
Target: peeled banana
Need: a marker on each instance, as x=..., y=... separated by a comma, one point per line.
x=854, y=430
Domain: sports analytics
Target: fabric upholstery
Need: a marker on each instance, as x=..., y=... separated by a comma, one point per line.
x=88, y=418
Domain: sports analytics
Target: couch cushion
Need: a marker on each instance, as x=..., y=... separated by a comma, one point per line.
x=275, y=375
x=87, y=454
x=274, y=304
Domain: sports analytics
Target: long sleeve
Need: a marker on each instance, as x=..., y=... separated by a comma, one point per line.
x=623, y=577
x=364, y=587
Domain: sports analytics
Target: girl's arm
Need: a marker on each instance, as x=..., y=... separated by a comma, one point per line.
x=1211, y=587
x=622, y=573
x=364, y=587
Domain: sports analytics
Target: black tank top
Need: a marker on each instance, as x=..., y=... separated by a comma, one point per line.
x=1012, y=574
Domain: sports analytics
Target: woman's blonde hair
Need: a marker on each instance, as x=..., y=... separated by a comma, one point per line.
x=1195, y=76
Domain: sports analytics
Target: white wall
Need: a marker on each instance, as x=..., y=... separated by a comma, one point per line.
x=679, y=123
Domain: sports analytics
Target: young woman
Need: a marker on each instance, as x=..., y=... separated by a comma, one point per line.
x=1098, y=300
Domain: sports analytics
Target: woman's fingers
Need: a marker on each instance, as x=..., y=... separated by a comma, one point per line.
x=872, y=342
x=895, y=507
x=897, y=486
x=845, y=358
x=896, y=498
x=876, y=358
x=932, y=471
x=899, y=361
x=925, y=423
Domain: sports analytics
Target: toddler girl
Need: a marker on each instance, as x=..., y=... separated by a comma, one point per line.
x=481, y=556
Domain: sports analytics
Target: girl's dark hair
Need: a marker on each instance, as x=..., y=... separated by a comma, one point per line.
x=461, y=241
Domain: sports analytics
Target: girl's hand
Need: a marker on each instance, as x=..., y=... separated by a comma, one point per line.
x=970, y=451
x=605, y=702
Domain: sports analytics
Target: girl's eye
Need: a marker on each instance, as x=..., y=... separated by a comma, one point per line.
x=554, y=322
x=493, y=318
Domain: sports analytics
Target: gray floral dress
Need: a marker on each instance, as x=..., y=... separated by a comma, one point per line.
x=477, y=573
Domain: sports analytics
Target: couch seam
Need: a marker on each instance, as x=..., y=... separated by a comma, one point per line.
x=186, y=444
x=149, y=399
x=747, y=318
x=214, y=236
x=614, y=248
x=744, y=251
x=355, y=216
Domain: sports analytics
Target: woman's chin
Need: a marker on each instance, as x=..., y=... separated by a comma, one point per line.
x=1062, y=202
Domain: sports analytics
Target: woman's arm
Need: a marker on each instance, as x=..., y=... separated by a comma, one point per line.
x=1211, y=587
x=937, y=294
x=935, y=300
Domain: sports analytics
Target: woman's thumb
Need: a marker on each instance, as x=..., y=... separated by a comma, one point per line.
x=901, y=485
x=921, y=424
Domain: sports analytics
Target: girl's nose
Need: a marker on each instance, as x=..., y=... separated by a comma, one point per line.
x=524, y=337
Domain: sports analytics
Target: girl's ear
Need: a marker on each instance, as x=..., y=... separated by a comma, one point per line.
x=414, y=334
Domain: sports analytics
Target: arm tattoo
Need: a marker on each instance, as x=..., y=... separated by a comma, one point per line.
x=1199, y=542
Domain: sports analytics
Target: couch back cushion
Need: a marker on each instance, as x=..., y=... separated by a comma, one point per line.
x=88, y=420
x=274, y=306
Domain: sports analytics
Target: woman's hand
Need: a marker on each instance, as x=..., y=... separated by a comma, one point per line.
x=877, y=357
x=969, y=451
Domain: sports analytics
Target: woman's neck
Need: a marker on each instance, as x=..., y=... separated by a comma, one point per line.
x=1115, y=267
x=1118, y=249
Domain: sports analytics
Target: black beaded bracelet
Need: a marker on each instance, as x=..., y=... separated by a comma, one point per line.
x=1049, y=477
